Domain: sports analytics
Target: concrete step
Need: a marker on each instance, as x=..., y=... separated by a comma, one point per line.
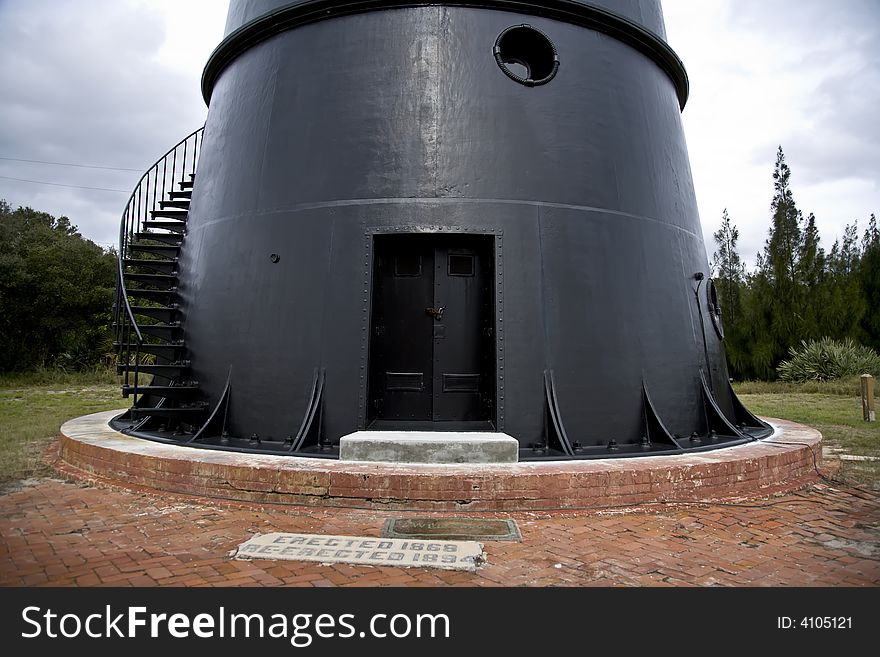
x=455, y=447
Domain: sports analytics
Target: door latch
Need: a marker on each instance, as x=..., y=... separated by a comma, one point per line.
x=436, y=313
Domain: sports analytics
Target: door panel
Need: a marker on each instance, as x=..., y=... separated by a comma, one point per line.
x=401, y=377
x=432, y=339
x=459, y=289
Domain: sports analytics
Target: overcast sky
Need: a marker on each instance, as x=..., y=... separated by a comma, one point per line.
x=114, y=83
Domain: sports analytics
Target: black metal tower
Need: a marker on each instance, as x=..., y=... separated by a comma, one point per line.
x=456, y=215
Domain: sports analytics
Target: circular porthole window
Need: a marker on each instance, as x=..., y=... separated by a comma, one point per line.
x=526, y=55
x=714, y=307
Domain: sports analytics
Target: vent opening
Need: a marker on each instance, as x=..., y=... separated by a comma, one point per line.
x=714, y=307
x=460, y=264
x=526, y=55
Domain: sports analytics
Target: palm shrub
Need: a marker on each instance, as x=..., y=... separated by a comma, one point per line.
x=827, y=359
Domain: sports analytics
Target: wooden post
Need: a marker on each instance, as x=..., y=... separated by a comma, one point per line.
x=868, y=398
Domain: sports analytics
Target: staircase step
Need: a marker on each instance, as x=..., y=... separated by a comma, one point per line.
x=167, y=315
x=172, y=239
x=182, y=203
x=189, y=413
x=162, y=296
x=429, y=447
x=186, y=184
x=169, y=392
x=173, y=226
x=180, y=195
x=161, y=266
x=165, y=281
x=168, y=351
x=166, y=332
x=180, y=215
x=164, y=250
x=166, y=371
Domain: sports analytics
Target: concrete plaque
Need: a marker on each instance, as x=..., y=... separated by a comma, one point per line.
x=404, y=553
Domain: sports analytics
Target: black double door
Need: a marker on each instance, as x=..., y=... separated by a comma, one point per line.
x=432, y=339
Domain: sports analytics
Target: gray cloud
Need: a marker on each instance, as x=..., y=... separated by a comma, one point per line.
x=839, y=43
x=784, y=18
x=81, y=84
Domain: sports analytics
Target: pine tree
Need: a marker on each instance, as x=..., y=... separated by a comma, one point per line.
x=726, y=262
x=729, y=275
x=872, y=235
x=757, y=321
x=849, y=249
x=843, y=304
x=811, y=258
x=778, y=311
x=783, y=245
x=869, y=284
x=810, y=278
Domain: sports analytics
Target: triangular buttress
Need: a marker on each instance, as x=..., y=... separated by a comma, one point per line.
x=716, y=422
x=747, y=421
x=215, y=425
x=652, y=426
x=556, y=430
x=310, y=430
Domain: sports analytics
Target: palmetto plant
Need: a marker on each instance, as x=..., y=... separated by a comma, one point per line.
x=827, y=359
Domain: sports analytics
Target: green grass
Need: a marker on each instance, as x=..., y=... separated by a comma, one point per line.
x=56, y=377
x=834, y=408
x=848, y=387
x=33, y=407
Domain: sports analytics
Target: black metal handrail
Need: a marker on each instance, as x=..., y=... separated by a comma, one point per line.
x=154, y=185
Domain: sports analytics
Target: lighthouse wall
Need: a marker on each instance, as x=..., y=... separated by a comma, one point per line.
x=322, y=137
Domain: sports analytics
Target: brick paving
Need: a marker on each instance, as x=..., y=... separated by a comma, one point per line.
x=62, y=533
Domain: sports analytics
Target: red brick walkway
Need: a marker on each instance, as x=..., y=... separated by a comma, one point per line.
x=62, y=533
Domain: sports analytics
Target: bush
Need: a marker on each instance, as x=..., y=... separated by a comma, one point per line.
x=827, y=359
x=56, y=293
